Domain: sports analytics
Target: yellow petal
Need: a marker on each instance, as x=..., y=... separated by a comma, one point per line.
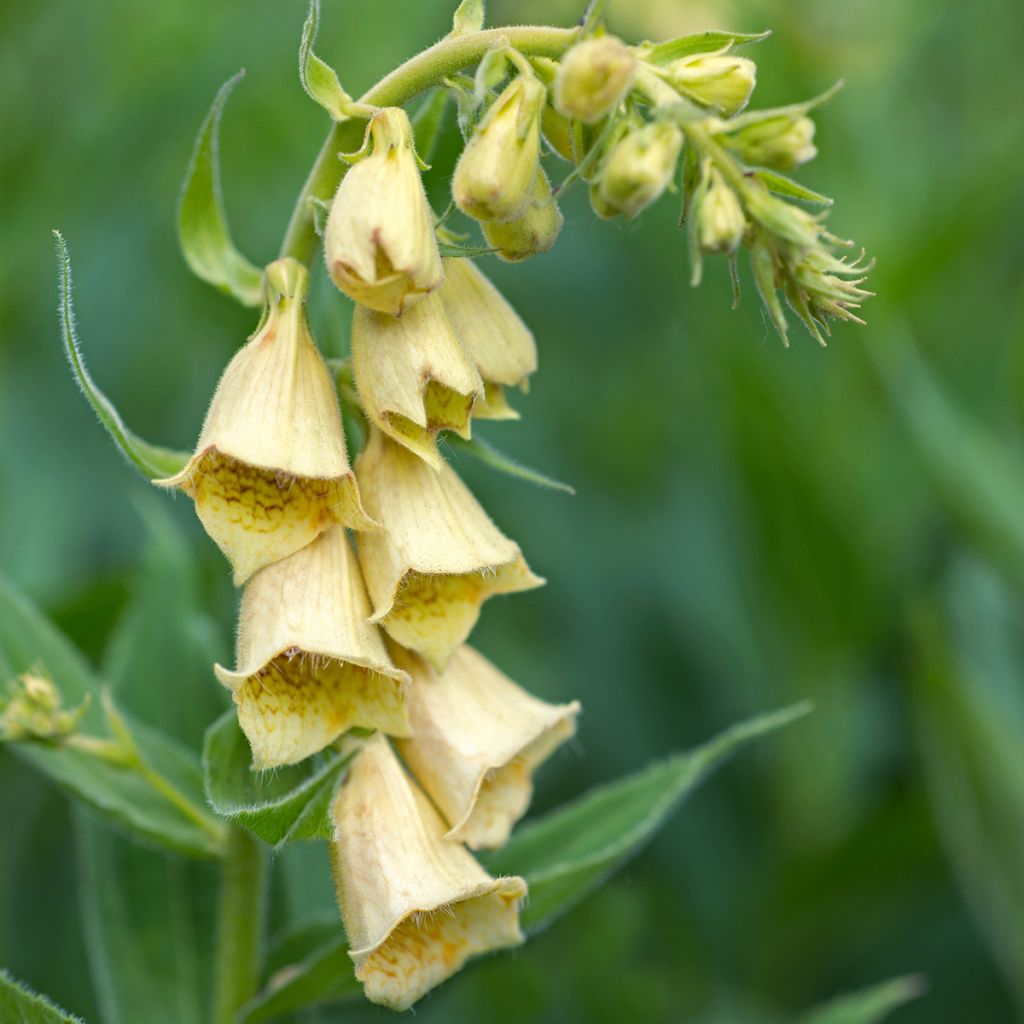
x=439, y=556
x=310, y=666
x=476, y=740
x=416, y=906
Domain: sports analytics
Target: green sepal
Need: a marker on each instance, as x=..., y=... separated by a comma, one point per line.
x=593, y=18
x=469, y=252
x=318, y=78
x=868, y=1006
x=202, y=223
x=287, y=805
x=490, y=456
x=695, y=43
x=784, y=186
x=468, y=17
x=152, y=461
x=752, y=117
x=20, y=1005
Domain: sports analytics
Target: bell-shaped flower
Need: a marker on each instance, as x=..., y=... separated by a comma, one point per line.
x=379, y=242
x=535, y=231
x=493, y=179
x=270, y=471
x=414, y=378
x=492, y=334
x=439, y=556
x=310, y=666
x=416, y=906
x=476, y=739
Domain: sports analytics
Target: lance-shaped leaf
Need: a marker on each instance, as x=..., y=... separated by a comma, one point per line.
x=784, y=186
x=754, y=117
x=202, y=223
x=696, y=43
x=20, y=1005
x=468, y=17
x=427, y=121
x=151, y=460
x=868, y=1006
x=490, y=456
x=318, y=78
x=287, y=805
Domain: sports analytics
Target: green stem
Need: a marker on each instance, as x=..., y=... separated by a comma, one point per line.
x=240, y=914
x=427, y=69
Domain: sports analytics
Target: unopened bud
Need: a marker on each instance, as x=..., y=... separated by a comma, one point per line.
x=379, y=241
x=593, y=78
x=32, y=710
x=536, y=231
x=783, y=143
x=637, y=170
x=720, y=220
x=720, y=82
x=494, y=176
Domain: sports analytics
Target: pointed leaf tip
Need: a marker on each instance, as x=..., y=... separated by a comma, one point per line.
x=468, y=17
x=318, y=78
x=490, y=456
x=202, y=223
x=151, y=460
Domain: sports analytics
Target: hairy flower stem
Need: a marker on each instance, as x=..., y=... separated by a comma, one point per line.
x=240, y=919
x=425, y=70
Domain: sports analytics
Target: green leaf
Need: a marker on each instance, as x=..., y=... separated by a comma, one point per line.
x=28, y=641
x=490, y=456
x=427, y=122
x=309, y=967
x=870, y=1005
x=469, y=17
x=154, y=462
x=318, y=78
x=19, y=1005
x=592, y=17
x=783, y=186
x=791, y=110
x=570, y=851
x=149, y=922
x=696, y=43
x=287, y=805
x=202, y=223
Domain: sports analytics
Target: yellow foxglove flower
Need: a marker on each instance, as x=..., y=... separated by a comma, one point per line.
x=535, y=231
x=309, y=664
x=492, y=334
x=718, y=81
x=637, y=170
x=416, y=906
x=270, y=471
x=439, y=556
x=413, y=377
x=379, y=241
x=476, y=740
x=493, y=179
x=593, y=78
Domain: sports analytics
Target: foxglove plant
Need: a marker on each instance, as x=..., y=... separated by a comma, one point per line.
x=404, y=746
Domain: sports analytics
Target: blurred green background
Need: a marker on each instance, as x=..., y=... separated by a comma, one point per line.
x=753, y=525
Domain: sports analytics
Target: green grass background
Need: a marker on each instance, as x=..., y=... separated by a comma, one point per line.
x=753, y=525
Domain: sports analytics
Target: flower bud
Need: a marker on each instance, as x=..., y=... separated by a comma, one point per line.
x=637, y=170
x=783, y=142
x=416, y=906
x=491, y=333
x=534, y=232
x=494, y=175
x=439, y=556
x=476, y=740
x=32, y=711
x=720, y=82
x=310, y=666
x=414, y=378
x=379, y=241
x=720, y=219
x=593, y=78
x=270, y=470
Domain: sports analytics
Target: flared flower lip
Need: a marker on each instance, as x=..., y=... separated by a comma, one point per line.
x=509, y=885
x=234, y=679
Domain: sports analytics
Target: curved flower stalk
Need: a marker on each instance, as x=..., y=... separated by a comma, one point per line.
x=476, y=740
x=439, y=556
x=310, y=666
x=413, y=377
x=271, y=471
x=416, y=905
x=491, y=333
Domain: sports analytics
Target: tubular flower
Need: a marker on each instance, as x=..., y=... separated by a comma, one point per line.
x=414, y=378
x=492, y=334
x=416, y=906
x=379, y=241
x=271, y=471
x=535, y=231
x=476, y=740
x=438, y=558
x=494, y=176
x=309, y=664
